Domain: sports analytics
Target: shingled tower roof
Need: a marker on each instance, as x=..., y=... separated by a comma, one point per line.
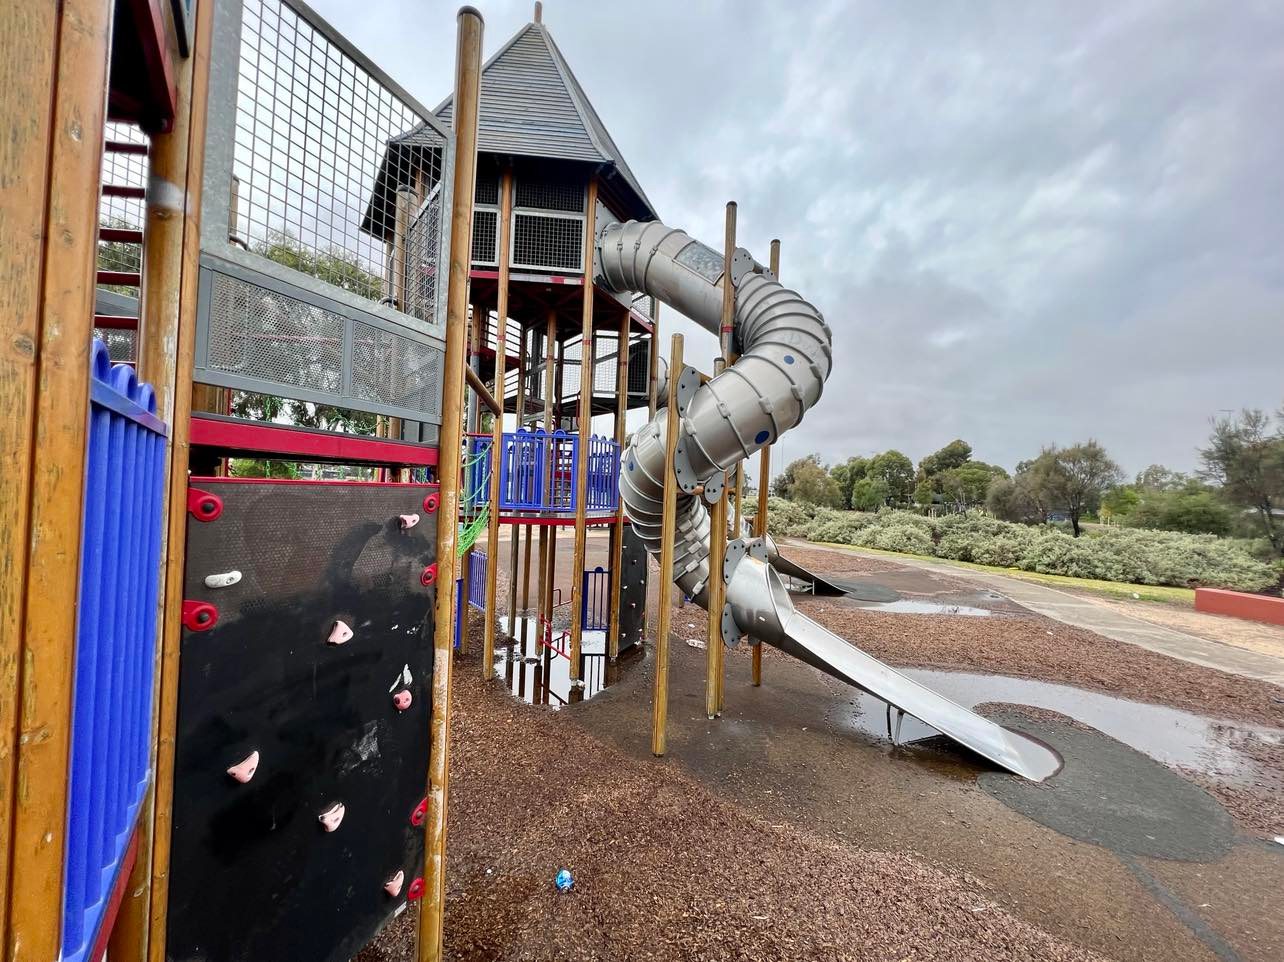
x=532, y=106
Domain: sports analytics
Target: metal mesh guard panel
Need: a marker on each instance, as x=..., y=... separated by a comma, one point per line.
x=550, y=195
x=394, y=370
x=485, y=226
x=551, y=242
x=258, y=333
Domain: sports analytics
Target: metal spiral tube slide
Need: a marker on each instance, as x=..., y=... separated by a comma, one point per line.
x=785, y=357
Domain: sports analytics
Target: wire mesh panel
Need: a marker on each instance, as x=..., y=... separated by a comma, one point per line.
x=115, y=643
x=325, y=183
x=548, y=241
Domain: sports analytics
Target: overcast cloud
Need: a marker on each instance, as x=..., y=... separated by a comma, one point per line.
x=1026, y=223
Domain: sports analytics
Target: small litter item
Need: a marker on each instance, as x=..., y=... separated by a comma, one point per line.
x=564, y=882
x=1279, y=839
x=1135, y=595
x=695, y=643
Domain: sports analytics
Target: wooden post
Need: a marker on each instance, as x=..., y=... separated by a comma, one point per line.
x=53, y=98
x=714, y=656
x=497, y=430
x=25, y=98
x=584, y=427
x=764, y=477
x=166, y=336
x=617, y=527
x=467, y=94
x=668, y=525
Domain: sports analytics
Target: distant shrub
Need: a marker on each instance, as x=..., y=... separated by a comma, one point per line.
x=1127, y=555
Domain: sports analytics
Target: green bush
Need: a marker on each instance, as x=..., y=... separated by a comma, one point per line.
x=1129, y=555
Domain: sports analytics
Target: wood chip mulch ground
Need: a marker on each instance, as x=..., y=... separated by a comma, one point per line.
x=664, y=869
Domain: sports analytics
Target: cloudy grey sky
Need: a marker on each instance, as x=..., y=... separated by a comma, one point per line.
x=1026, y=223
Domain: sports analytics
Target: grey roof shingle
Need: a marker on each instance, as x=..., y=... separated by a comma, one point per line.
x=531, y=106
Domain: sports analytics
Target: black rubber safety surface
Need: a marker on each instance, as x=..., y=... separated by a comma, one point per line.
x=1114, y=796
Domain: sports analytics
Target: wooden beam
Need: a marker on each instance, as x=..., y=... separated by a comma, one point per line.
x=714, y=654
x=584, y=426
x=467, y=95
x=165, y=353
x=27, y=75
x=55, y=410
x=617, y=529
x=497, y=430
x=668, y=525
x=483, y=392
x=764, y=478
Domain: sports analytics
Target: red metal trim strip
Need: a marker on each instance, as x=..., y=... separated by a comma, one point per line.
x=123, y=190
x=120, y=278
x=306, y=445
x=364, y=484
x=115, y=322
x=117, y=896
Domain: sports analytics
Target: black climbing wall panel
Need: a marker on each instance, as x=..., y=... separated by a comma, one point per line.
x=255, y=876
x=632, y=590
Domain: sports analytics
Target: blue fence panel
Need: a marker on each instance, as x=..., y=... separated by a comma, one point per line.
x=537, y=471
x=115, y=642
x=476, y=473
x=603, y=474
x=595, y=600
x=477, y=580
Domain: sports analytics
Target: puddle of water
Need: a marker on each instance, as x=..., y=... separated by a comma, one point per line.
x=540, y=676
x=907, y=607
x=1168, y=735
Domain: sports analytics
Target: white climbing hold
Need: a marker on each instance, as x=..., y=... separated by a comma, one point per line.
x=224, y=580
x=393, y=885
x=244, y=770
x=339, y=633
x=332, y=816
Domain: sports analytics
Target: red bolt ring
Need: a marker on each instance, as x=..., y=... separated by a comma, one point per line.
x=204, y=506
x=420, y=813
x=416, y=890
x=431, y=501
x=199, y=616
x=429, y=575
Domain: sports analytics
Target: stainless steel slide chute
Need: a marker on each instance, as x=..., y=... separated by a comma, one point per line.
x=785, y=358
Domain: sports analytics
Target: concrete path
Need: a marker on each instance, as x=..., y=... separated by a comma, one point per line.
x=1083, y=613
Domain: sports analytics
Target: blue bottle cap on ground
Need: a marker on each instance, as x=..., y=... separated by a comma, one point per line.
x=564, y=881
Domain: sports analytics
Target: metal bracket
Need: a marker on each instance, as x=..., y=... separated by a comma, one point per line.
x=713, y=487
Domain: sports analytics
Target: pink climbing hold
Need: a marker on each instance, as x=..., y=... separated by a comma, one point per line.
x=332, y=816
x=402, y=699
x=244, y=770
x=393, y=885
x=339, y=633
x=408, y=521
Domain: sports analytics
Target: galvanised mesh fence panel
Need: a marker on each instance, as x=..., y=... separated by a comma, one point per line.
x=325, y=216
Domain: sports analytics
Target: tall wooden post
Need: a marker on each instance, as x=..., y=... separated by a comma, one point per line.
x=497, y=431
x=617, y=527
x=584, y=427
x=764, y=477
x=668, y=532
x=166, y=343
x=714, y=656
x=51, y=154
x=467, y=94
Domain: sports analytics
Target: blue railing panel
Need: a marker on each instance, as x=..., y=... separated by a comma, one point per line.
x=595, y=603
x=477, y=579
x=115, y=642
x=537, y=472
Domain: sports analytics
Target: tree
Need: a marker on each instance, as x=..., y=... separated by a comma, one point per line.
x=847, y=474
x=1156, y=477
x=969, y=483
x=954, y=455
x=1120, y=502
x=1084, y=473
x=869, y=494
x=924, y=493
x=1245, y=455
x=1194, y=509
x=896, y=471
x=807, y=481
